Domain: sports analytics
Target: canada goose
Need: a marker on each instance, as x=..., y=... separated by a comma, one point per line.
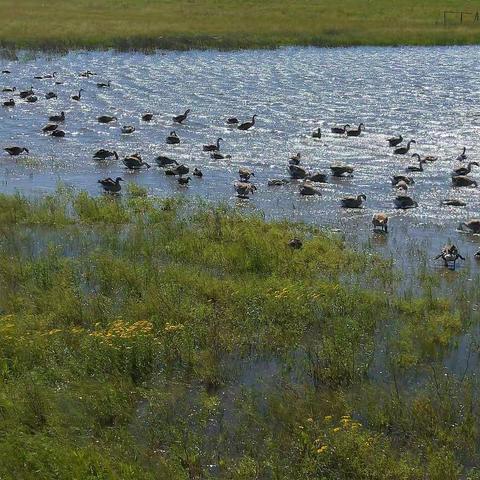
x=340, y=130
x=245, y=174
x=317, y=133
x=9, y=103
x=277, y=182
x=57, y=133
x=181, y=118
x=219, y=156
x=87, y=74
x=402, y=178
x=45, y=77
x=356, y=132
x=464, y=170
x=380, y=221
x=297, y=172
x=79, y=96
x=103, y=154
x=394, y=141
x=309, y=190
x=404, y=202
x=449, y=254
x=50, y=127
x=14, y=151
x=232, y=121
x=430, y=158
x=453, y=202
x=103, y=85
x=353, y=202
x=147, y=117
x=106, y=119
x=247, y=125
x=127, y=129
x=295, y=243
x=470, y=226
x=173, y=138
x=340, y=170
x=416, y=168
x=9, y=89
x=163, y=161
x=463, y=181
x=401, y=185
x=26, y=93
x=50, y=95
x=197, y=173
x=213, y=147
x=318, y=178
x=6, y=71
x=183, y=181
x=403, y=150
x=243, y=189
x=31, y=99
x=463, y=156
x=57, y=118
x=111, y=186
x=295, y=159
x=179, y=170
x=134, y=162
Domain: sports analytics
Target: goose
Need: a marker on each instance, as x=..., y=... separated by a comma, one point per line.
x=401, y=185
x=295, y=244
x=79, y=96
x=197, y=173
x=308, y=190
x=103, y=154
x=179, y=170
x=453, y=202
x=470, y=226
x=6, y=71
x=404, y=202
x=134, y=162
x=26, y=93
x=394, y=141
x=317, y=133
x=87, y=74
x=183, y=181
x=318, y=178
x=403, y=150
x=245, y=174
x=213, y=147
x=45, y=77
x=449, y=254
x=353, y=202
x=219, y=156
x=106, y=119
x=57, y=118
x=297, y=172
x=464, y=170
x=57, y=133
x=463, y=181
x=243, y=189
x=9, y=103
x=340, y=170
x=295, y=159
x=163, y=161
x=277, y=182
x=430, y=158
x=50, y=95
x=9, y=89
x=340, y=130
x=111, y=186
x=247, y=125
x=31, y=99
x=49, y=127
x=103, y=85
x=181, y=118
x=402, y=178
x=173, y=138
x=416, y=168
x=147, y=117
x=463, y=156
x=355, y=132
x=232, y=121
x=14, y=151
x=127, y=129
x=380, y=221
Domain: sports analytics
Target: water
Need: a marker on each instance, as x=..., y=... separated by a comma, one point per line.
x=429, y=94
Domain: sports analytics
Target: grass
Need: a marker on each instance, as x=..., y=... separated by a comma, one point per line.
x=144, y=338
x=225, y=24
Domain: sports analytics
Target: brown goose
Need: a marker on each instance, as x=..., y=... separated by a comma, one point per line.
x=309, y=190
x=470, y=226
x=219, y=156
x=50, y=127
x=50, y=95
x=404, y=202
x=106, y=119
x=394, y=141
x=353, y=202
x=127, y=129
x=179, y=170
x=163, y=161
x=213, y=147
x=78, y=97
x=181, y=118
x=14, y=151
x=297, y=172
x=110, y=185
x=134, y=162
x=31, y=99
x=340, y=170
x=295, y=159
x=356, y=132
x=449, y=254
x=183, y=181
x=103, y=154
x=147, y=117
x=463, y=170
x=402, y=178
x=247, y=125
x=340, y=130
x=57, y=118
x=244, y=189
x=463, y=181
x=380, y=221
x=404, y=150
x=318, y=178
x=245, y=174
x=173, y=138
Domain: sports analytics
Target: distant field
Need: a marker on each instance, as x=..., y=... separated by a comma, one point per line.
x=228, y=24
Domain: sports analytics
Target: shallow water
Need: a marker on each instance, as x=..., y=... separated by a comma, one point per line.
x=429, y=94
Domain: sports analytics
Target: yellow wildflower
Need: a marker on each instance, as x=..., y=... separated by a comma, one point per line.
x=322, y=449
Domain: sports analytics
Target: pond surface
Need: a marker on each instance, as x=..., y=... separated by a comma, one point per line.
x=429, y=94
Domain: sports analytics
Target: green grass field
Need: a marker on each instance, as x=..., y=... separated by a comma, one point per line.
x=156, y=339
x=229, y=24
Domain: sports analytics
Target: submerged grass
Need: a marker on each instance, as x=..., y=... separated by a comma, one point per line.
x=143, y=338
x=223, y=24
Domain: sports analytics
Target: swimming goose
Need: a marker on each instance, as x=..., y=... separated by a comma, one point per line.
x=355, y=132
x=57, y=118
x=470, y=226
x=183, y=181
x=103, y=154
x=404, y=202
x=103, y=85
x=126, y=129
x=430, y=158
x=318, y=178
x=79, y=96
x=9, y=103
x=449, y=254
x=463, y=181
x=147, y=117
x=134, y=162
x=308, y=190
x=219, y=156
x=247, y=125
x=340, y=130
x=181, y=118
x=197, y=173
x=402, y=178
x=49, y=127
x=26, y=93
x=464, y=170
x=87, y=74
x=213, y=147
x=245, y=174
x=416, y=168
x=453, y=202
x=340, y=170
x=380, y=221
x=317, y=133
x=45, y=77
x=401, y=185
x=14, y=151
x=57, y=133
x=232, y=121
x=463, y=156
x=277, y=182
x=163, y=161
x=353, y=202
x=6, y=71
x=394, y=141
x=9, y=89
x=403, y=150
x=31, y=99
x=106, y=119
x=295, y=159
x=50, y=95
x=297, y=172
x=179, y=170
x=173, y=138
x=110, y=185
x=244, y=189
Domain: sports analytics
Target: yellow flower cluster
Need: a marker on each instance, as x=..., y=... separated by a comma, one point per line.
x=120, y=329
x=173, y=328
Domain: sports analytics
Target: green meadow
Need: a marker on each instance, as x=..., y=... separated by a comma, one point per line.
x=226, y=24
x=161, y=339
